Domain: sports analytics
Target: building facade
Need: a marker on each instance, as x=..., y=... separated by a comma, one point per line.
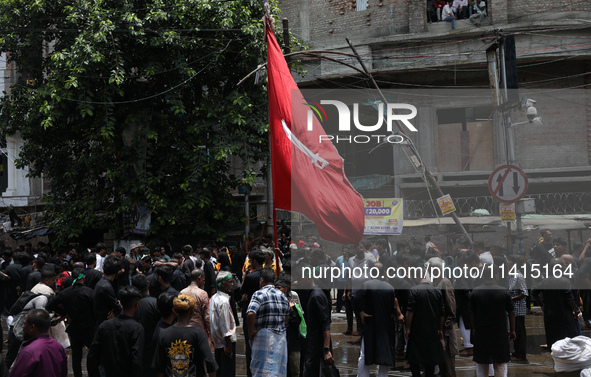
x=462, y=140
x=18, y=190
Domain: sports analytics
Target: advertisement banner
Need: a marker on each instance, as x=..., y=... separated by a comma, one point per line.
x=446, y=204
x=383, y=216
x=507, y=212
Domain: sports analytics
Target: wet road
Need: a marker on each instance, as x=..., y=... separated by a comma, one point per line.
x=346, y=354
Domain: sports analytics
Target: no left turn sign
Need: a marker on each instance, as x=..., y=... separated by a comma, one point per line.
x=507, y=183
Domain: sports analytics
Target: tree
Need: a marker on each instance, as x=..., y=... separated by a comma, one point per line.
x=126, y=103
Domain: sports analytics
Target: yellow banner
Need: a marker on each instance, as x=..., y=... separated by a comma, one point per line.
x=507, y=212
x=446, y=204
x=383, y=216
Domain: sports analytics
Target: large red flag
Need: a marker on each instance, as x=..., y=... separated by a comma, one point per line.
x=308, y=175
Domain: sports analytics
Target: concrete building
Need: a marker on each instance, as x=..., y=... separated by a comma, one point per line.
x=463, y=140
x=19, y=191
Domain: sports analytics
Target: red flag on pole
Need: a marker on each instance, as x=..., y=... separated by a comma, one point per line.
x=308, y=175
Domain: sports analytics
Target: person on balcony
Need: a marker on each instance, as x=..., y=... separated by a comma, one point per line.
x=448, y=15
x=479, y=12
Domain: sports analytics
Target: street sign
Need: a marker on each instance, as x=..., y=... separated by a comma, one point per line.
x=507, y=183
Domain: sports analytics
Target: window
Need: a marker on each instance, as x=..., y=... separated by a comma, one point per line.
x=465, y=139
x=361, y=5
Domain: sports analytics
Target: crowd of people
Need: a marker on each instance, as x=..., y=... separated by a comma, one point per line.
x=489, y=309
x=153, y=312
x=452, y=10
x=150, y=312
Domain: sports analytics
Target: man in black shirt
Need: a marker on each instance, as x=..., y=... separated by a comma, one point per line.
x=294, y=338
x=91, y=275
x=317, y=316
x=183, y=350
x=250, y=285
x=424, y=323
x=118, y=345
x=163, y=278
x=148, y=316
x=491, y=308
x=26, y=271
x=205, y=255
x=76, y=302
x=188, y=265
x=237, y=261
x=13, y=271
x=558, y=304
x=123, y=278
x=105, y=302
x=541, y=252
x=379, y=309
x=179, y=280
x=35, y=276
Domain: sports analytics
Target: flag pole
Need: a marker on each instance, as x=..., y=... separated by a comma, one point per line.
x=286, y=50
x=269, y=23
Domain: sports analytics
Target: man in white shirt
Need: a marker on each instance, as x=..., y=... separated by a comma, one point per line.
x=223, y=327
x=479, y=12
x=101, y=253
x=448, y=15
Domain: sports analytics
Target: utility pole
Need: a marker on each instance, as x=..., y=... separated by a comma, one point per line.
x=503, y=98
x=497, y=81
x=428, y=173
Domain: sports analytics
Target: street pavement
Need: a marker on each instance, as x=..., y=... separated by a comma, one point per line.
x=346, y=353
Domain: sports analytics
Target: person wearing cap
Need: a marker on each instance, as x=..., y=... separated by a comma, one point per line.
x=76, y=302
x=223, y=326
x=133, y=255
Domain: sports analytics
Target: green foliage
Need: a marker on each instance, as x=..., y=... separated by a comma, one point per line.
x=135, y=102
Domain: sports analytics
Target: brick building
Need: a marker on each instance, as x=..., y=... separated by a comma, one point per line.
x=463, y=140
